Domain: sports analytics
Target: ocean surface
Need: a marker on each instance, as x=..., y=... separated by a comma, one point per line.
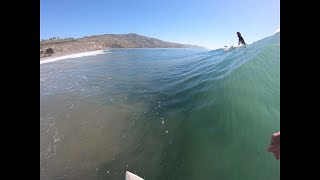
x=163, y=114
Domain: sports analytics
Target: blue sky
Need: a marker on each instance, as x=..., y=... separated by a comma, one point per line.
x=209, y=23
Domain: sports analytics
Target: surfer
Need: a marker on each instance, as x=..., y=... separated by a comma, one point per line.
x=241, y=40
x=274, y=146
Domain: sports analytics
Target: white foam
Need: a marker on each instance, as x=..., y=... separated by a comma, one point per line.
x=91, y=53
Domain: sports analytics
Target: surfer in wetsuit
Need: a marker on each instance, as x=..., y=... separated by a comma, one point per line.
x=241, y=40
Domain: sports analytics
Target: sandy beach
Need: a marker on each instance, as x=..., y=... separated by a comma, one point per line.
x=90, y=53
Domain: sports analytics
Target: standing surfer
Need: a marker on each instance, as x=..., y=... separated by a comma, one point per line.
x=241, y=40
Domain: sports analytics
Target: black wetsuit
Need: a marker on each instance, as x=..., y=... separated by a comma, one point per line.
x=241, y=41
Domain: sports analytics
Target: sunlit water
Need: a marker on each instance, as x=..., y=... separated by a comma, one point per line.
x=162, y=114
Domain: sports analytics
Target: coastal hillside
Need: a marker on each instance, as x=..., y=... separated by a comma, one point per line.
x=58, y=47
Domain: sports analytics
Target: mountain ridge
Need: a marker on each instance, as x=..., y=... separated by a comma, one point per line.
x=59, y=47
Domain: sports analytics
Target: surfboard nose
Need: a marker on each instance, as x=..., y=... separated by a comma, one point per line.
x=131, y=176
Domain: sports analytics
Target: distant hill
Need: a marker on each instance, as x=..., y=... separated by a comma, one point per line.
x=58, y=47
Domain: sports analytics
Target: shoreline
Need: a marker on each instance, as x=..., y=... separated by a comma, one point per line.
x=69, y=56
x=87, y=53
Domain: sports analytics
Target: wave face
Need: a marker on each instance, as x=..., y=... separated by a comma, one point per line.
x=162, y=114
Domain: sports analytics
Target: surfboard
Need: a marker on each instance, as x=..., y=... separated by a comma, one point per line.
x=229, y=48
x=131, y=176
x=233, y=47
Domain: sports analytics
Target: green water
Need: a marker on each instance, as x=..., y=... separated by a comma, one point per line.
x=162, y=114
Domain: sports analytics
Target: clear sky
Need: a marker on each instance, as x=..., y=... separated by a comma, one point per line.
x=208, y=23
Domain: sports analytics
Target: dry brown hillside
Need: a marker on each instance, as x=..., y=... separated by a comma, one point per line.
x=58, y=47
